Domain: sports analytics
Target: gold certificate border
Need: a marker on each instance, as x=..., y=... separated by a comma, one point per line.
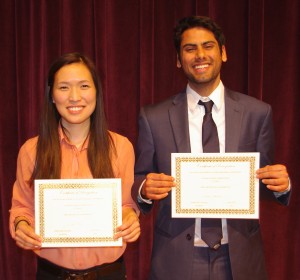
x=75, y=240
x=248, y=211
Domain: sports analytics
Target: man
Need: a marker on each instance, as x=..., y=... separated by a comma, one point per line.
x=244, y=124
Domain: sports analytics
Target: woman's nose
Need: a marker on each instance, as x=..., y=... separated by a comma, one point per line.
x=75, y=94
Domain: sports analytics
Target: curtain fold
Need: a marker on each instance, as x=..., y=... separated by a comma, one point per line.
x=132, y=44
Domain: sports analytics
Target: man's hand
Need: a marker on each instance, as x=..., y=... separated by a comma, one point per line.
x=157, y=186
x=275, y=177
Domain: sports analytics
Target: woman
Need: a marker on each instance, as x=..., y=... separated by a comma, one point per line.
x=73, y=142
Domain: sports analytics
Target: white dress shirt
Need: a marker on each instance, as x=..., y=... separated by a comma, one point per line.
x=195, y=116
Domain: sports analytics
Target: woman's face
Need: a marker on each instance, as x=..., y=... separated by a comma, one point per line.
x=74, y=94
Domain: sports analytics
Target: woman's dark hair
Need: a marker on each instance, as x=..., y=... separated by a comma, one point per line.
x=197, y=21
x=100, y=147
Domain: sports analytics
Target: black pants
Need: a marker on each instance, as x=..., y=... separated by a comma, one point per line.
x=50, y=271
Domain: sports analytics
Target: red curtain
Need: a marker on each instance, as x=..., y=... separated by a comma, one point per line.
x=131, y=43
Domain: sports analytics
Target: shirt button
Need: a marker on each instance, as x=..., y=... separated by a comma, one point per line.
x=188, y=237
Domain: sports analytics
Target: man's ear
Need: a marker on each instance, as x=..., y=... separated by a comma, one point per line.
x=224, y=55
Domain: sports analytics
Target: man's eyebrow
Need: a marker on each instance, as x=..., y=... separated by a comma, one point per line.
x=189, y=45
x=203, y=43
x=209, y=42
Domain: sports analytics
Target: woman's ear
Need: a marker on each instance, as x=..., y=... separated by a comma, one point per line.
x=178, y=63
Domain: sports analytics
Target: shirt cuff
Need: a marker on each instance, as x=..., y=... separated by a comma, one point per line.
x=140, y=199
x=278, y=194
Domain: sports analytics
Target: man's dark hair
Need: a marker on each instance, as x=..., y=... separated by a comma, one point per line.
x=197, y=21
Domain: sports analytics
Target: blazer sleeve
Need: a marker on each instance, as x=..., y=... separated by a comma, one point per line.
x=145, y=159
x=265, y=145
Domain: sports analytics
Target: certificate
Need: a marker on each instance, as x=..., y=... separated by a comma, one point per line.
x=215, y=185
x=78, y=212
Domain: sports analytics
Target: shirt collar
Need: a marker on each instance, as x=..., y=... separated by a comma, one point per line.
x=217, y=96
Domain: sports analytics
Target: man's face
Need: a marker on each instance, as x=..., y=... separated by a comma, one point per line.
x=201, y=58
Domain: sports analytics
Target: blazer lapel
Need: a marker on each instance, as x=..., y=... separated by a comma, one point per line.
x=233, y=120
x=178, y=113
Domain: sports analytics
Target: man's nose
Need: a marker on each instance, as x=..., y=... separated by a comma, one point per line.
x=200, y=53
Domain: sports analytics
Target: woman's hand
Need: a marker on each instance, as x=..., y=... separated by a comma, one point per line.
x=130, y=229
x=26, y=237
